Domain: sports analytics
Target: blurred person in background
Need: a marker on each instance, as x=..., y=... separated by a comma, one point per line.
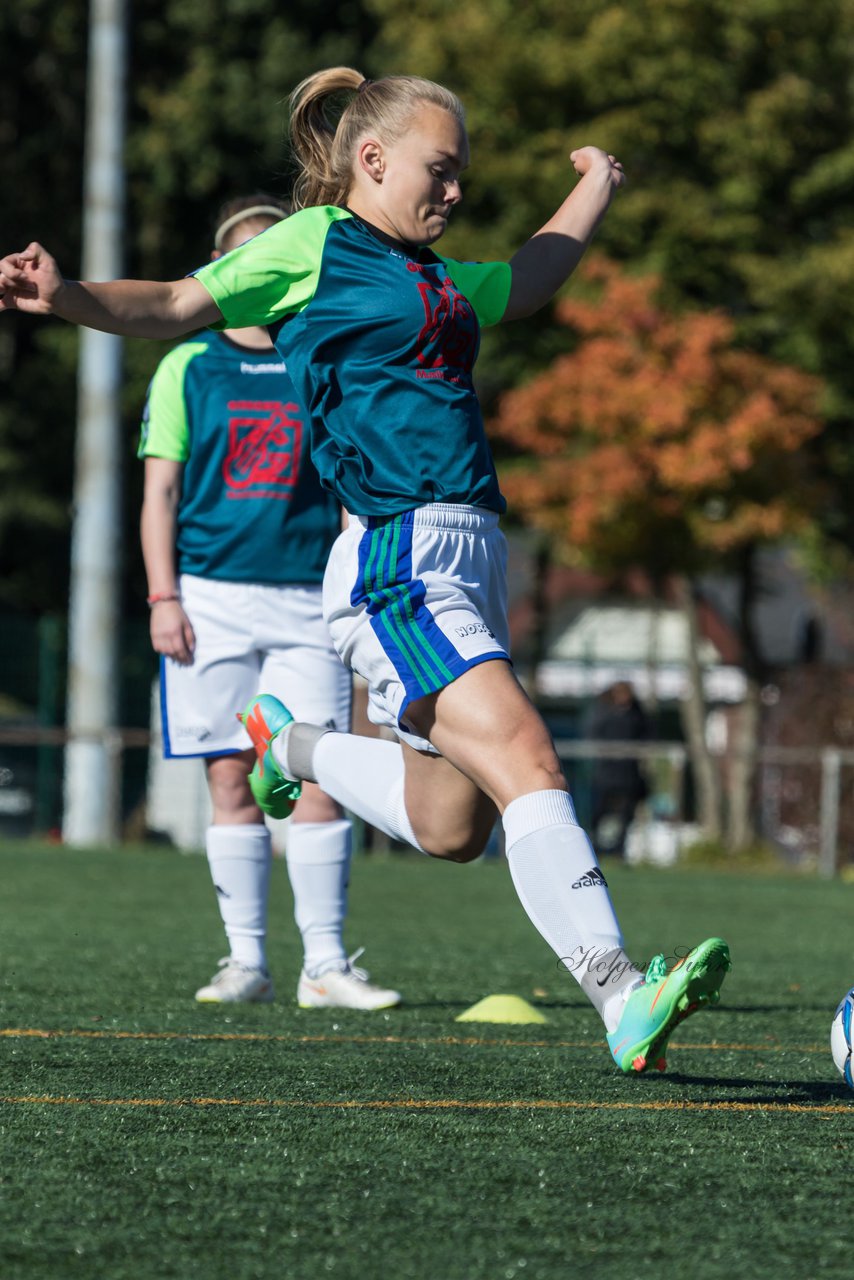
x=618, y=783
x=236, y=531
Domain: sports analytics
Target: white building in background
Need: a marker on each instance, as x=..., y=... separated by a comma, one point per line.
x=646, y=646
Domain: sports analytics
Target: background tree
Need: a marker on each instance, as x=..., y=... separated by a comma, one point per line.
x=735, y=125
x=206, y=120
x=734, y=122
x=658, y=442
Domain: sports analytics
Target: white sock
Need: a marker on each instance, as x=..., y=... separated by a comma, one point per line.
x=318, y=855
x=365, y=775
x=240, y=857
x=559, y=884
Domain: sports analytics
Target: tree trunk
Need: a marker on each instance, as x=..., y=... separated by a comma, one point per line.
x=539, y=614
x=653, y=657
x=741, y=826
x=693, y=710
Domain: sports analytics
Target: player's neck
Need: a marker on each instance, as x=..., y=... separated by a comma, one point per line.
x=255, y=339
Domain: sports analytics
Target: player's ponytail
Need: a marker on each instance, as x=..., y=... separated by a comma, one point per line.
x=333, y=109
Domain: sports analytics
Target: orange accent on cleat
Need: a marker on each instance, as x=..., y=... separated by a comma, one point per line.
x=661, y=1065
x=638, y=1063
x=259, y=731
x=657, y=996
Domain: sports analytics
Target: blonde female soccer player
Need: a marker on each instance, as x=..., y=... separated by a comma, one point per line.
x=380, y=333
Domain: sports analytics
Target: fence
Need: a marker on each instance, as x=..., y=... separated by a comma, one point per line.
x=33, y=669
x=819, y=838
x=814, y=781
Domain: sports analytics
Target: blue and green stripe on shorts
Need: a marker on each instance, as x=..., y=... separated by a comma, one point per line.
x=421, y=653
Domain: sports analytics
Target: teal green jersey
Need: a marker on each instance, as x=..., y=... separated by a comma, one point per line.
x=252, y=508
x=380, y=339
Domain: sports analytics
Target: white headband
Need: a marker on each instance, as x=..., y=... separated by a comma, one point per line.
x=255, y=212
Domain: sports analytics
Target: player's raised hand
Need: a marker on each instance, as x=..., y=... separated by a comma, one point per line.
x=586, y=159
x=30, y=281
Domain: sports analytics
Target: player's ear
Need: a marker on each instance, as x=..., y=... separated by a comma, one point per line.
x=371, y=159
x=215, y=253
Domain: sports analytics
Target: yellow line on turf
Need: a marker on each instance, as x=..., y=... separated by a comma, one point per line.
x=16, y=1033
x=441, y=1104
x=294, y=1038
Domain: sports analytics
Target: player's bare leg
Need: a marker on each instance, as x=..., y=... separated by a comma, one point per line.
x=485, y=726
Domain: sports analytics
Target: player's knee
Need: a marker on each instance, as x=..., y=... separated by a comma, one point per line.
x=523, y=763
x=538, y=769
x=459, y=855
x=538, y=755
x=461, y=849
x=455, y=832
x=315, y=805
x=231, y=796
x=554, y=777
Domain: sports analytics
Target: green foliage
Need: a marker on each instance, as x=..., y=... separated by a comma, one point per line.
x=206, y=121
x=734, y=121
x=658, y=441
x=208, y=112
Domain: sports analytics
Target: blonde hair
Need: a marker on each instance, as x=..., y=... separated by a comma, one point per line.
x=332, y=109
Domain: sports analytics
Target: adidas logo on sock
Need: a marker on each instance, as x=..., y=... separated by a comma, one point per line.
x=589, y=879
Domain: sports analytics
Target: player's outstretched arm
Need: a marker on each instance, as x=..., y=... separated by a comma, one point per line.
x=542, y=265
x=31, y=282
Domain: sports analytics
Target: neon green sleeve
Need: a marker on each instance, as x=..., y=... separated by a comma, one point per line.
x=485, y=284
x=272, y=275
x=165, y=432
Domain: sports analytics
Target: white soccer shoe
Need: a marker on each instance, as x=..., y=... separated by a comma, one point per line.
x=236, y=983
x=344, y=989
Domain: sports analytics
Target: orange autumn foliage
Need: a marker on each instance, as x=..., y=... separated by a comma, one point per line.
x=656, y=439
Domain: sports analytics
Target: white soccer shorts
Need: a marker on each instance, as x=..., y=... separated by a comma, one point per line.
x=413, y=601
x=250, y=638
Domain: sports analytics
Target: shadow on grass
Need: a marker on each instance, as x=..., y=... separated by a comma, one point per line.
x=815, y=1091
x=581, y=1003
x=783, y=1007
x=443, y=1005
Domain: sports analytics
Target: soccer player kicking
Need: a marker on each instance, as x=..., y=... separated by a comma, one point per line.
x=381, y=334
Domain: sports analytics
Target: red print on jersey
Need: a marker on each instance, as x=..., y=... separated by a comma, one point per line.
x=449, y=336
x=264, y=448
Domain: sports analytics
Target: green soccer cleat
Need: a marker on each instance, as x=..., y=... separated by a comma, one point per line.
x=264, y=718
x=664, y=1000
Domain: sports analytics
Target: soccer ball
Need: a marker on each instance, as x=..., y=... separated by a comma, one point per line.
x=842, y=1038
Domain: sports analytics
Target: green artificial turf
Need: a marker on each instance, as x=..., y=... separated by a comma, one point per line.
x=196, y=1141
